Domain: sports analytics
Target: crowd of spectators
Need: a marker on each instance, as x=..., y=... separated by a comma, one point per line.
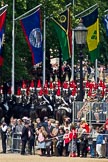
x=69, y=139
x=52, y=139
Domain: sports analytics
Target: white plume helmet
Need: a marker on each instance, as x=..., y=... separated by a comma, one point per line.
x=85, y=96
x=67, y=78
x=92, y=79
x=51, y=79
x=71, y=79
x=101, y=74
x=101, y=77
x=56, y=78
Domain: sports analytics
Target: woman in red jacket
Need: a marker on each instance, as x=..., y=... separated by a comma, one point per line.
x=72, y=144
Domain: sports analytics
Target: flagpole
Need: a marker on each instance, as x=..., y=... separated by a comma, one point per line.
x=96, y=66
x=13, y=49
x=106, y=10
x=44, y=44
x=4, y=7
x=86, y=10
x=52, y=15
x=72, y=60
x=28, y=12
x=44, y=49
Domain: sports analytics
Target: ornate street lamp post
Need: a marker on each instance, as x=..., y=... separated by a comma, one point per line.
x=80, y=37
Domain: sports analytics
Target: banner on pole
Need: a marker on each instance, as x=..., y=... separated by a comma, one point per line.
x=63, y=29
x=32, y=29
x=2, y=34
x=91, y=21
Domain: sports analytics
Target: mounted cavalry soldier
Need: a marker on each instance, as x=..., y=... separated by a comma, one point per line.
x=23, y=88
x=32, y=86
x=72, y=91
x=38, y=85
x=45, y=107
x=18, y=95
x=62, y=105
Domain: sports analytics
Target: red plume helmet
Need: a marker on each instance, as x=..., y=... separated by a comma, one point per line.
x=32, y=84
x=51, y=86
x=40, y=93
x=45, y=91
x=9, y=91
x=39, y=85
x=19, y=92
x=23, y=85
x=58, y=93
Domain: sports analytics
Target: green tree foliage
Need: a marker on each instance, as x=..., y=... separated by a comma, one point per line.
x=23, y=60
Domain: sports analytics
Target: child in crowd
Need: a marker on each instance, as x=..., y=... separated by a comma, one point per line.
x=66, y=142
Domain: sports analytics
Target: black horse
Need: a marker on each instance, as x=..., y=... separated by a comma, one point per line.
x=5, y=111
x=63, y=112
x=62, y=108
x=44, y=107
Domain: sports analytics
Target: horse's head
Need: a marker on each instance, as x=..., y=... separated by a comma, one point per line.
x=43, y=103
x=18, y=99
x=58, y=100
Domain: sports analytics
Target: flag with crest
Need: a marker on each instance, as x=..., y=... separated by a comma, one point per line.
x=32, y=29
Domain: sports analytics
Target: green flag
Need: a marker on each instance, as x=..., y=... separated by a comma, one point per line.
x=63, y=29
x=91, y=21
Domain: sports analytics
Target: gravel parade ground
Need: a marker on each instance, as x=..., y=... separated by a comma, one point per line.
x=16, y=157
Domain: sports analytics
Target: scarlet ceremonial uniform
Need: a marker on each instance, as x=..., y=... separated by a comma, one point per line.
x=72, y=85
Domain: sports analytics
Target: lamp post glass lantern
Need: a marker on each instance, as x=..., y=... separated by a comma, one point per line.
x=80, y=34
x=80, y=37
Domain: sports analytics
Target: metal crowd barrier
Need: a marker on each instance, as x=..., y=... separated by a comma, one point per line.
x=14, y=142
x=93, y=112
